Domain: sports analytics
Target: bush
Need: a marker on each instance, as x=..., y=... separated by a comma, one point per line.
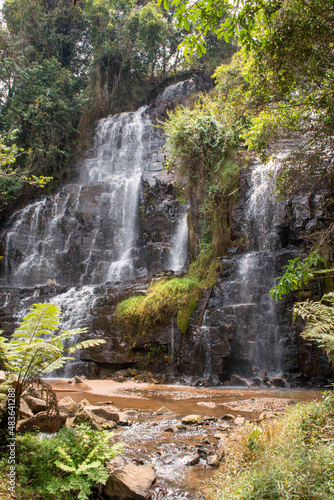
x=67, y=465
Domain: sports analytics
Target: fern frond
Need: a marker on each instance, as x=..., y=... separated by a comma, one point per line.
x=85, y=344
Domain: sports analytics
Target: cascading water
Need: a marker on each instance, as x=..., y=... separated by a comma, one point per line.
x=179, y=253
x=241, y=317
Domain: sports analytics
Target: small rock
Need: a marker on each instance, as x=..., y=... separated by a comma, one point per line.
x=84, y=402
x=163, y=411
x=190, y=460
x=105, y=412
x=277, y=382
x=191, y=420
x=223, y=447
x=3, y=376
x=131, y=482
x=239, y=381
x=131, y=413
x=228, y=417
x=85, y=416
x=214, y=380
x=239, y=420
x=24, y=409
x=207, y=404
x=212, y=460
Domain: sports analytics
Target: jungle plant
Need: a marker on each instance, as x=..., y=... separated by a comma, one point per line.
x=37, y=348
x=319, y=317
x=67, y=465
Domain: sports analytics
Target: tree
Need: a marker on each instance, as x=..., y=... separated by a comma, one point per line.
x=37, y=348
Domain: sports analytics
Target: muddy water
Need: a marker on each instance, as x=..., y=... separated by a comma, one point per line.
x=149, y=438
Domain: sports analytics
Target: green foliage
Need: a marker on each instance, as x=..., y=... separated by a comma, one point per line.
x=298, y=273
x=11, y=178
x=67, y=465
x=165, y=298
x=36, y=347
x=290, y=457
x=319, y=317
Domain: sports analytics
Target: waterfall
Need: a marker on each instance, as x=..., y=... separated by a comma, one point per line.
x=86, y=234
x=256, y=271
x=179, y=253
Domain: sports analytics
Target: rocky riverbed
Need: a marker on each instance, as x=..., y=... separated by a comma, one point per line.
x=182, y=432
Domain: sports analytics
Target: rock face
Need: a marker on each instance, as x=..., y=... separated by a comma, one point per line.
x=87, y=251
x=131, y=482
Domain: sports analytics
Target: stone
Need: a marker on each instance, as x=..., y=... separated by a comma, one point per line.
x=207, y=404
x=240, y=381
x=228, y=417
x=239, y=420
x=105, y=412
x=163, y=411
x=24, y=409
x=223, y=447
x=85, y=416
x=35, y=404
x=190, y=460
x=133, y=482
x=84, y=402
x=68, y=405
x=212, y=460
x=131, y=413
x=123, y=421
x=3, y=376
x=43, y=422
x=191, y=420
x=214, y=380
x=277, y=382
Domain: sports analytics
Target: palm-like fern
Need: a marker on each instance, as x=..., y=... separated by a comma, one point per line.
x=36, y=347
x=319, y=317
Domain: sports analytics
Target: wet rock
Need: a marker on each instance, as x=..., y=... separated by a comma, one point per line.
x=123, y=421
x=239, y=381
x=207, y=404
x=228, y=417
x=130, y=413
x=133, y=482
x=35, y=404
x=277, y=382
x=190, y=460
x=214, y=380
x=43, y=422
x=191, y=420
x=68, y=405
x=163, y=411
x=212, y=460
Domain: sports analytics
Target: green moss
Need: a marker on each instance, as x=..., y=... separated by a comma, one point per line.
x=165, y=298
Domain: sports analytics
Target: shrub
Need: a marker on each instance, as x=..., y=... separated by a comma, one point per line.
x=67, y=465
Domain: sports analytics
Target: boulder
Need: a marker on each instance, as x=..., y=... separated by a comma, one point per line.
x=35, y=404
x=85, y=416
x=106, y=412
x=190, y=460
x=191, y=419
x=239, y=420
x=69, y=406
x=133, y=482
x=43, y=422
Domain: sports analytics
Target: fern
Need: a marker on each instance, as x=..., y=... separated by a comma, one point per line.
x=37, y=347
x=319, y=317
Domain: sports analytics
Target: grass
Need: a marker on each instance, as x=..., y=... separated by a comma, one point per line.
x=289, y=458
x=139, y=314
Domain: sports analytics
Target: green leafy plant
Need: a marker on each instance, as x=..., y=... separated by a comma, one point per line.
x=319, y=317
x=37, y=346
x=298, y=273
x=67, y=465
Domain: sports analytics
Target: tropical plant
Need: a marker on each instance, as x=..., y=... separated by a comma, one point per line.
x=67, y=465
x=36, y=347
x=319, y=317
